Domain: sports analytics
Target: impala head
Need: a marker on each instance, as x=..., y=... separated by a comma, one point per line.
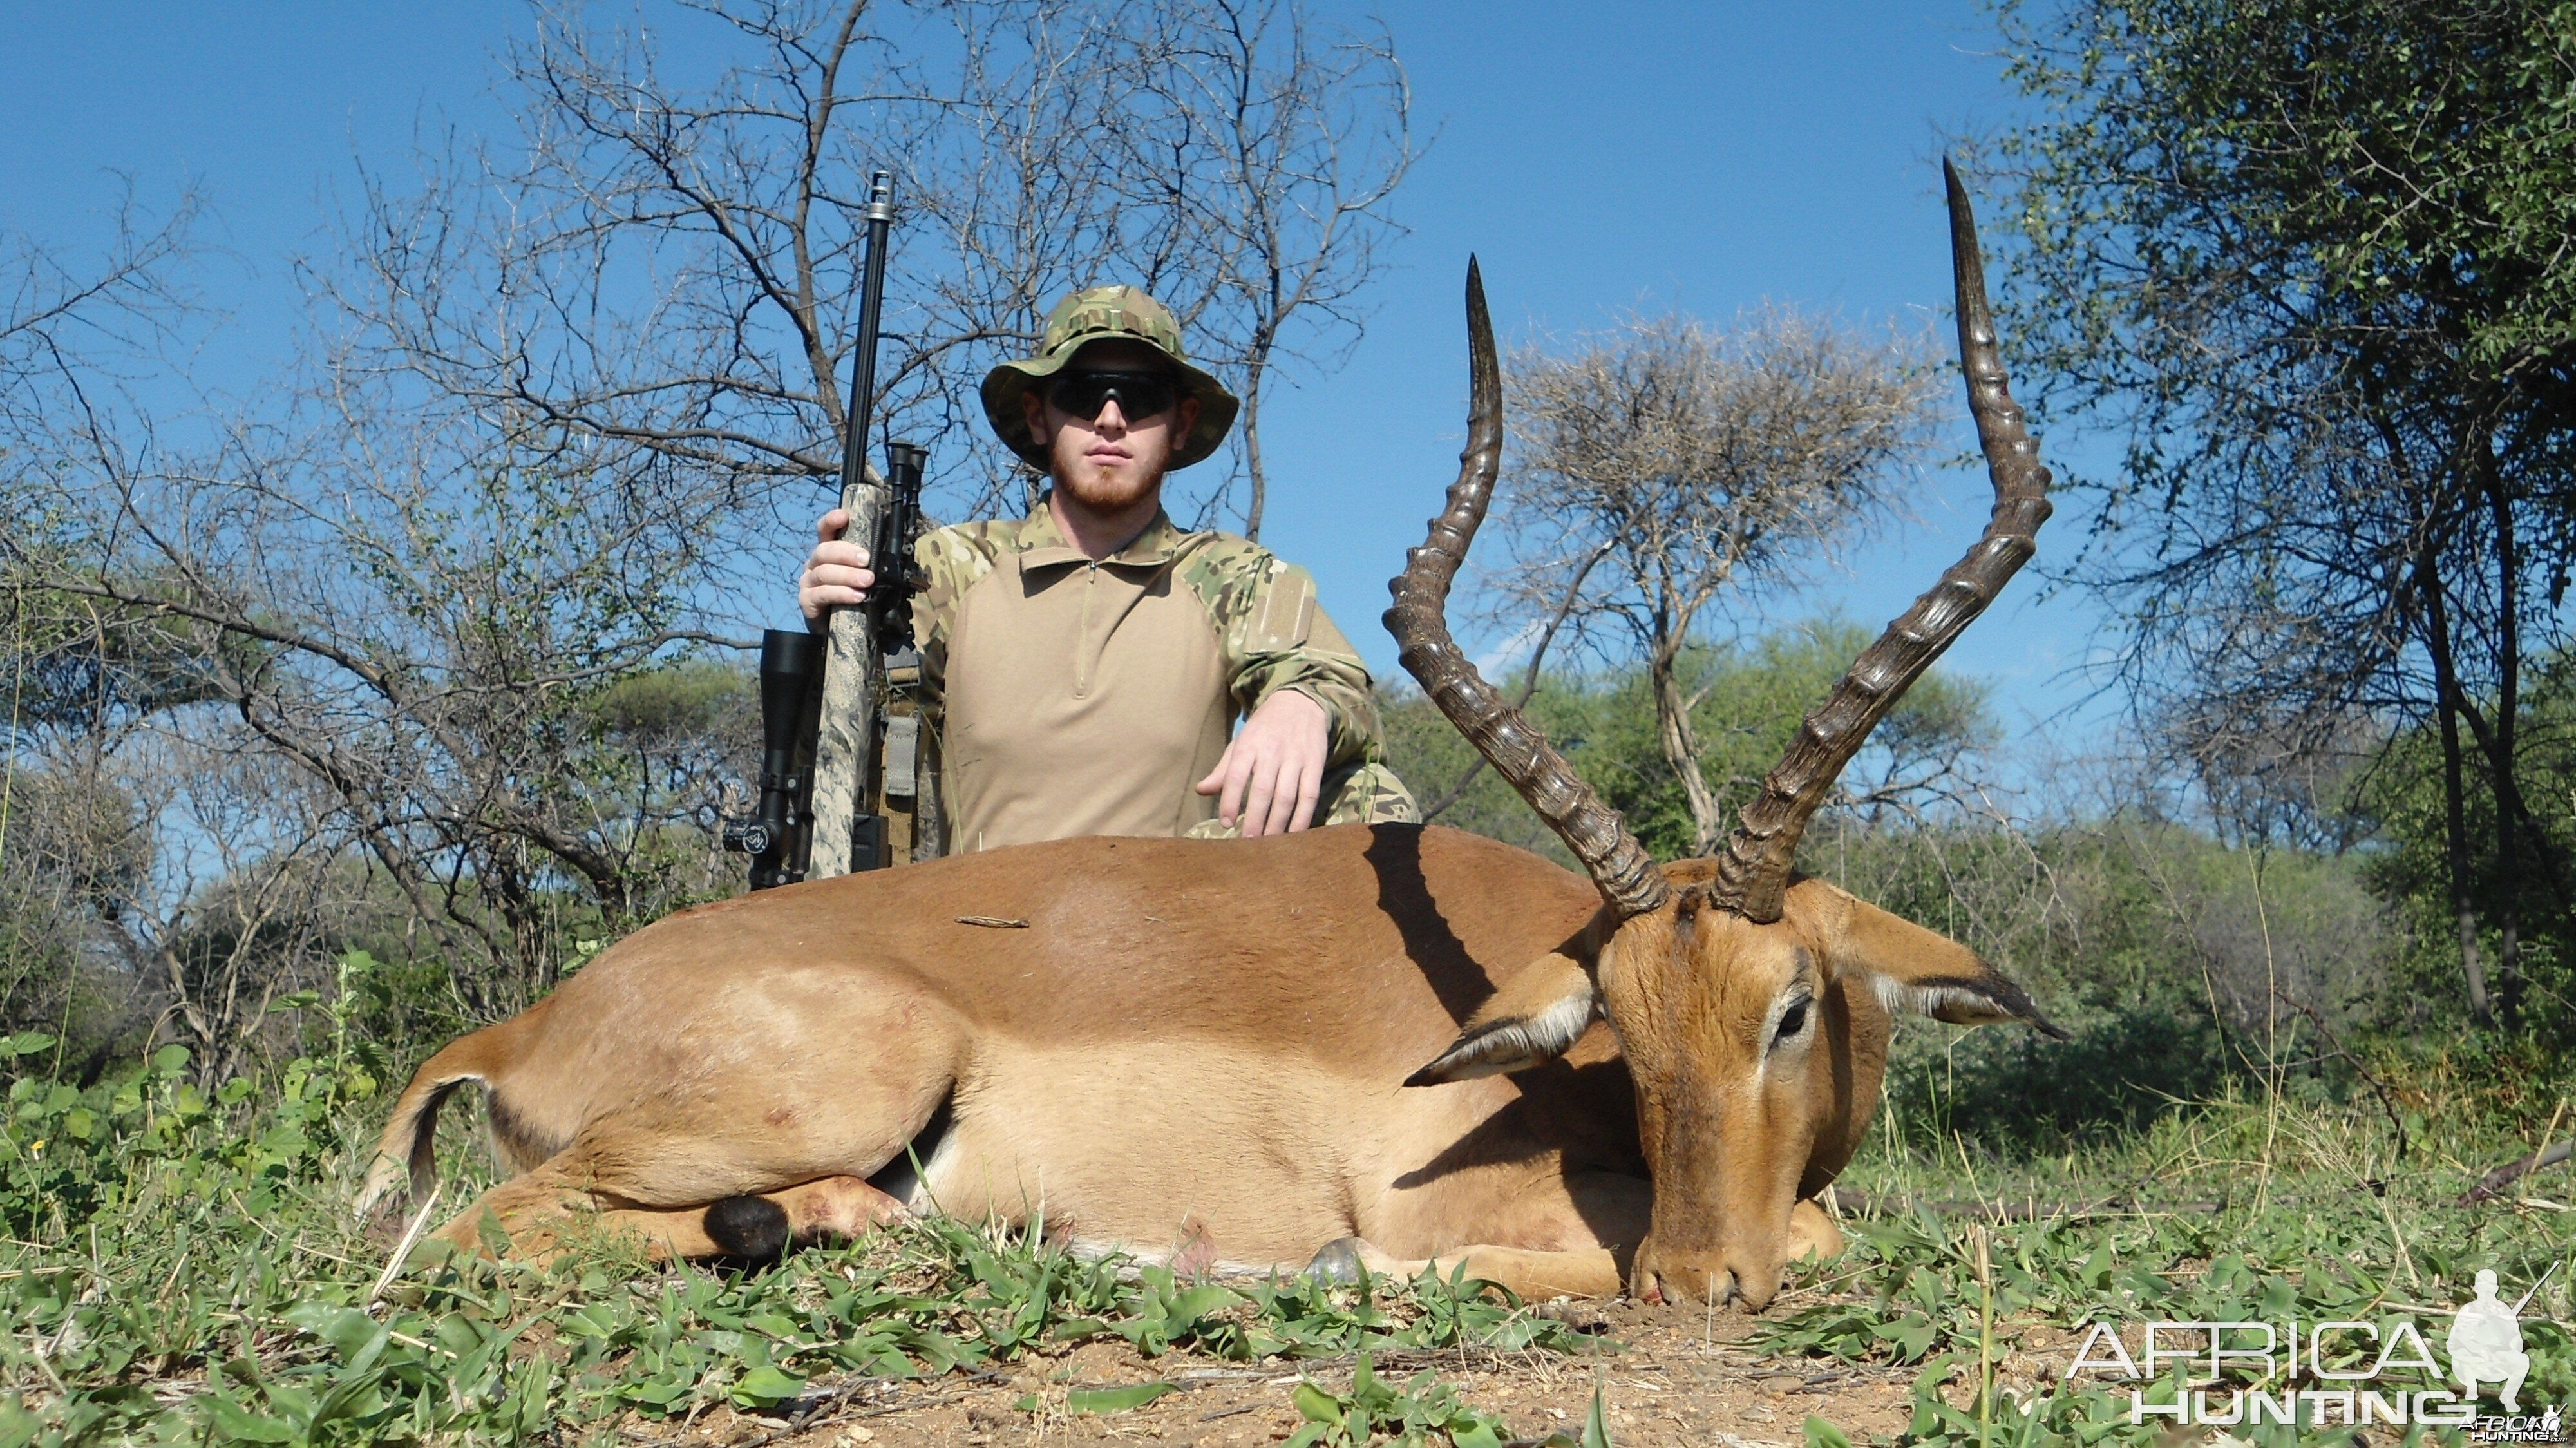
x=1751, y=1004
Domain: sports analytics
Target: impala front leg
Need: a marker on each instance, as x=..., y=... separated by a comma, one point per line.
x=1530, y=1275
x=1539, y=1275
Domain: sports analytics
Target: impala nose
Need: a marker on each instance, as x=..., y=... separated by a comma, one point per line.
x=1755, y=1289
x=1708, y=1280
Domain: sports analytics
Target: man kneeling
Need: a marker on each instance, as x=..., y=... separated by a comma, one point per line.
x=1083, y=667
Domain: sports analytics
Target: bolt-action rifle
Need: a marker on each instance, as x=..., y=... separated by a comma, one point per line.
x=844, y=782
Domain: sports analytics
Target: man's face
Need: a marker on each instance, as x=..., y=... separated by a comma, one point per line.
x=1111, y=459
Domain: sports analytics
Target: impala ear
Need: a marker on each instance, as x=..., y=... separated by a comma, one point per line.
x=1530, y=1022
x=1910, y=968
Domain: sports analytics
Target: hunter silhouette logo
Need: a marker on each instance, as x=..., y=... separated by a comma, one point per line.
x=2485, y=1342
x=2226, y=1373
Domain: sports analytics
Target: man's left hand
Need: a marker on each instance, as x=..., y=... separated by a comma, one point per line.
x=1272, y=772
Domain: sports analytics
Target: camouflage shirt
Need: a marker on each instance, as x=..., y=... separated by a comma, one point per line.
x=1070, y=696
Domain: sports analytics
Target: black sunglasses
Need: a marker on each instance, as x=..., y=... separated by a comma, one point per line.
x=1139, y=394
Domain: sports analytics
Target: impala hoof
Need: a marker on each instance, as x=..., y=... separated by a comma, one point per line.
x=1338, y=1261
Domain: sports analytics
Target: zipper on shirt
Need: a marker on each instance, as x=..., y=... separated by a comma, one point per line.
x=1084, y=655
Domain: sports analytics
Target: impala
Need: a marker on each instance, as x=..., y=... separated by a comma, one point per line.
x=1388, y=1045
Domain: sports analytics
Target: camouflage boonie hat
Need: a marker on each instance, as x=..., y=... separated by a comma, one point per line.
x=1099, y=314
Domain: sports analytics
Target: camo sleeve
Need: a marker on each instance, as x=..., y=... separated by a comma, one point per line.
x=952, y=559
x=1275, y=636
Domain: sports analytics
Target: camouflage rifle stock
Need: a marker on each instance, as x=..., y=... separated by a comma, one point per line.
x=829, y=804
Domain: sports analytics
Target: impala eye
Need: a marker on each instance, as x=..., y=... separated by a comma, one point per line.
x=1793, y=1020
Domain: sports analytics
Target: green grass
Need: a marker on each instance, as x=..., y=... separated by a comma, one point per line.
x=180, y=1267
x=2230, y=1211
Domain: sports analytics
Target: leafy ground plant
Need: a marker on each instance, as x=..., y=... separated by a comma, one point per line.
x=1422, y=1411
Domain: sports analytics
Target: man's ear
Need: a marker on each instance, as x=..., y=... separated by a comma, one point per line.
x=1530, y=1022
x=1033, y=408
x=1910, y=968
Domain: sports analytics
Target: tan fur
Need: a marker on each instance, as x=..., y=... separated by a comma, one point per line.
x=1195, y=1046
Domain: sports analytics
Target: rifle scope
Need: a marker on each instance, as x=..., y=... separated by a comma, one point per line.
x=787, y=658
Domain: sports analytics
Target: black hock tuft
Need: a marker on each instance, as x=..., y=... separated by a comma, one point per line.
x=752, y=1228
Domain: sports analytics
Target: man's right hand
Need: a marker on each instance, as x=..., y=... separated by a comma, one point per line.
x=835, y=572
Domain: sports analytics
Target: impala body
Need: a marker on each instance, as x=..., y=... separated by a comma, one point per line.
x=1216, y=1051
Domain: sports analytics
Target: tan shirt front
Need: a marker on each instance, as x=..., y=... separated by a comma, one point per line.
x=1082, y=698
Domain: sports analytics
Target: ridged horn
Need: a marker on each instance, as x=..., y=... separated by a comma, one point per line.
x=1754, y=872
x=1621, y=868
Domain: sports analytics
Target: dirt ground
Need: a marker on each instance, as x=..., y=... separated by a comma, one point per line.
x=1675, y=1376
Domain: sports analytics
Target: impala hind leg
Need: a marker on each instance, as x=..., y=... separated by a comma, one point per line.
x=793, y=1109
x=541, y=1213
x=761, y=1227
x=713, y=1188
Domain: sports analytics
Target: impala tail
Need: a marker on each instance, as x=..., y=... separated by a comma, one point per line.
x=407, y=1153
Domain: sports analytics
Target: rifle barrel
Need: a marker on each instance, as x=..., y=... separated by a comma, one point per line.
x=863, y=371
x=2535, y=1289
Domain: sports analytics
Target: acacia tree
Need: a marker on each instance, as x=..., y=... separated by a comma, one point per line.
x=1661, y=463
x=381, y=610
x=2310, y=256
x=153, y=878
x=1920, y=776
x=669, y=267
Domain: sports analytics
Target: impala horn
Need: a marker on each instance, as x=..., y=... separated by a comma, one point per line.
x=1753, y=874
x=1620, y=867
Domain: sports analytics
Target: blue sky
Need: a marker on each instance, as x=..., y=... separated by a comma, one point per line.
x=1706, y=156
